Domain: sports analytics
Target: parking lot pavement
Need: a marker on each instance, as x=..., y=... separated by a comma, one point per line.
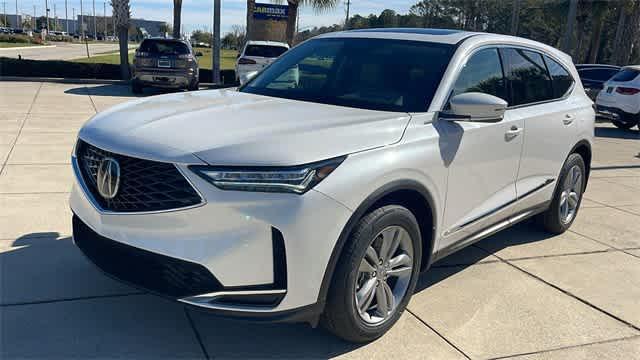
x=60, y=51
x=521, y=293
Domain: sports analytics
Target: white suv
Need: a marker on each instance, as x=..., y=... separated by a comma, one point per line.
x=619, y=100
x=255, y=56
x=321, y=197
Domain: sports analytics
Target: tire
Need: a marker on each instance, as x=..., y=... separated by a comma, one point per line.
x=555, y=220
x=623, y=125
x=136, y=88
x=194, y=86
x=341, y=316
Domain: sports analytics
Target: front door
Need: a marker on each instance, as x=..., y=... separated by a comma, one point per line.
x=484, y=157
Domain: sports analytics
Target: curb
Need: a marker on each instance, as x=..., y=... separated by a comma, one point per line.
x=28, y=47
x=93, y=81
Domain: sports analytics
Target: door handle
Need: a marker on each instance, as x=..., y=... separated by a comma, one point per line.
x=513, y=132
x=568, y=119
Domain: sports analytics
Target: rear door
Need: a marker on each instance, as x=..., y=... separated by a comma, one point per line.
x=540, y=87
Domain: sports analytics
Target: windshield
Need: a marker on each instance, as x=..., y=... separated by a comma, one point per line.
x=267, y=51
x=164, y=47
x=377, y=74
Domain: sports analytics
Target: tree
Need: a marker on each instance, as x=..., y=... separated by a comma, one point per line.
x=177, y=18
x=122, y=14
x=251, y=6
x=199, y=36
x=292, y=18
x=600, y=9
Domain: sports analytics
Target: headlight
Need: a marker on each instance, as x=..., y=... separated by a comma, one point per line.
x=295, y=179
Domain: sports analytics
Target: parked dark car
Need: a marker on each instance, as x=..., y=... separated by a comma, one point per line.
x=166, y=63
x=593, y=76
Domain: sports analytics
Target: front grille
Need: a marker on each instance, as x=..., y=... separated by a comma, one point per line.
x=144, y=185
x=157, y=273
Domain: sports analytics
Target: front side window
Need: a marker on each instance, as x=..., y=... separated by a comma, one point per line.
x=527, y=76
x=376, y=74
x=482, y=73
x=560, y=77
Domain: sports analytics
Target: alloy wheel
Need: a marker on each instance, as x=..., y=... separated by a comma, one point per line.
x=570, y=196
x=384, y=275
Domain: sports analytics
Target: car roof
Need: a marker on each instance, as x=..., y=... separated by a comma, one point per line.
x=603, y=66
x=446, y=36
x=271, y=43
x=632, y=67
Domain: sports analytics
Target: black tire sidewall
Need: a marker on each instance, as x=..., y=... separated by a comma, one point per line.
x=342, y=297
x=552, y=221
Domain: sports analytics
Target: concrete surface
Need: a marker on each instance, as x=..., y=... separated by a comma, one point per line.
x=521, y=293
x=61, y=51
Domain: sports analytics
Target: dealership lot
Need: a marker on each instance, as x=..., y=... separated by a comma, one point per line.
x=520, y=292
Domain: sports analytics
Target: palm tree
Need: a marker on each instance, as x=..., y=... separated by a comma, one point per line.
x=318, y=5
x=251, y=5
x=177, y=14
x=122, y=13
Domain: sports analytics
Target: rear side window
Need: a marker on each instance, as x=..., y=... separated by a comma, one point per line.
x=626, y=75
x=527, y=76
x=482, y=73
x=164, y=47
x=560, y=77
x=267, y=51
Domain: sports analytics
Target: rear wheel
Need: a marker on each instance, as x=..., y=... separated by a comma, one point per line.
x=376, y=275
x=567, y=197
x=623, y=125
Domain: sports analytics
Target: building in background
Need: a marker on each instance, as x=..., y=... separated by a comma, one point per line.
x=138, y=27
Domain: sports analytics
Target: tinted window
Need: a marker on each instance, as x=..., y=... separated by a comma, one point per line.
x=482, y=73
x=267, y=51
x=560, y=77
x=378, y=74
x=597, y=74
x=527, y=76
x=626, y=75
x=164, y=47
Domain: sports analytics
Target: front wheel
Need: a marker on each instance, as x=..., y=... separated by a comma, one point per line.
x=376, y=275
x=567, y=197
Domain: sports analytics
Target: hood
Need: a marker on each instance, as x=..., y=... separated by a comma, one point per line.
x=226, y=127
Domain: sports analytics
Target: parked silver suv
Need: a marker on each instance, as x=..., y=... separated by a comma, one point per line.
x=322, y=188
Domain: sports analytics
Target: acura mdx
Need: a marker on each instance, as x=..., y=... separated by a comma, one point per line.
x=319, y=190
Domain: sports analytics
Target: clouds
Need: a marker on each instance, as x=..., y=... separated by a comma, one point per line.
x=197, y=14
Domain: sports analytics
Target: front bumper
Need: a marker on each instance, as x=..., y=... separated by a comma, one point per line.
x=239, y=253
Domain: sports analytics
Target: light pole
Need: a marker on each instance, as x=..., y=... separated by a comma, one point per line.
x=215, y=59
x=104, y=18
x=55, y=18
x=66, y=16
x=18, y=23
x=46, y=13
x=33, y=20
x=81, y=21
x=95, y=23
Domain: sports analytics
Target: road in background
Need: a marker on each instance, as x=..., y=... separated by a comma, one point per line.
x=61, y=51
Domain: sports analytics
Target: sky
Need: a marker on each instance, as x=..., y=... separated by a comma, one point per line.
x=197, y=14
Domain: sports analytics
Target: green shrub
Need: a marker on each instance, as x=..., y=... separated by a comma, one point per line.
x=17, y=39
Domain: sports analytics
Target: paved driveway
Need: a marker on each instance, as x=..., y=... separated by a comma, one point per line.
x=520, y=292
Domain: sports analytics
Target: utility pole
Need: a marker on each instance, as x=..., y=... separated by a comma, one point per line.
x=95, y=23
x=215, y=59
x=33, y=20
x=346, y=21
x=66, y=16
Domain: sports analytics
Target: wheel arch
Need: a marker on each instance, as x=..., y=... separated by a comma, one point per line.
x=408, y=193
x=583, y=148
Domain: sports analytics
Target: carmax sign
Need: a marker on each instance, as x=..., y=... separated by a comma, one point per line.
x=271, y=12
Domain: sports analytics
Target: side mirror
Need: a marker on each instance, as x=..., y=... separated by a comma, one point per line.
x=199, y=53
x=474, y=106
x=248, y=76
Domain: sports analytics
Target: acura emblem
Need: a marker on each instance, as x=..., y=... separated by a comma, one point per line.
x=108, y=179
